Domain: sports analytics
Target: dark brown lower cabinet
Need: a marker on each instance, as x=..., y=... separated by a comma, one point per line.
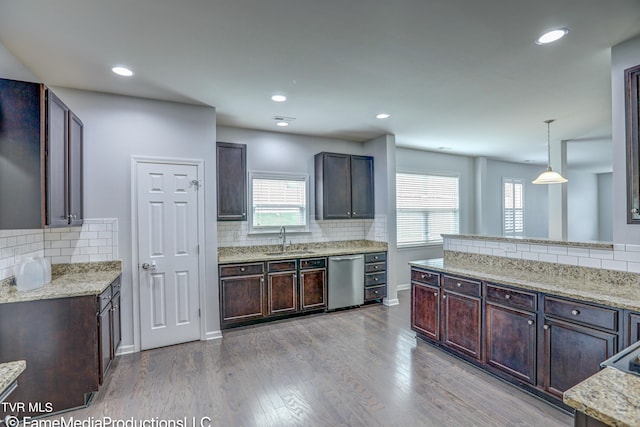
x=282, y=281
x=572, y=353
x=313, y=289
x=461, y=323
x=242, y=298
x=633, y=327
x=425, y=310
x=58, y=338
x=511, y=341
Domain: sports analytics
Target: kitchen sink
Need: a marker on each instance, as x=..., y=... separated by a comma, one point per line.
x=305, y=252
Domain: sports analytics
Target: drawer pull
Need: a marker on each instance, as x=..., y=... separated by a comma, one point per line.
x=375, y=257
x=242, y=269
x=375, y=292
x=375, y=279
x=376, y=267
x=530, y=322
x=458, y=284
x=575, y=312
x=546, y=327
x=424, y=276
x=507, y=296
x=435, y=294
x=444, y=297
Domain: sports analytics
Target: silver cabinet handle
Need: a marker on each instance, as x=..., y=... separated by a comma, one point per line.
x=242, y=269
x=353, y=213
x=444, y=297
x=435, y=294
x=530, y=322
x=507, y=296
x=575, y=312
x=459, y=284
x=546, y=327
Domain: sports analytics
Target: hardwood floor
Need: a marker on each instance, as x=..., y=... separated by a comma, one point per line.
x=361, y=367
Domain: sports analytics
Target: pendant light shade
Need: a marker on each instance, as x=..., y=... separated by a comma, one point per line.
x=549, y=176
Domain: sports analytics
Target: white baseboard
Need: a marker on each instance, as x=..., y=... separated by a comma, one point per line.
x=125, y=349
x=390, y=302
x=213, y=335
x=404, y=287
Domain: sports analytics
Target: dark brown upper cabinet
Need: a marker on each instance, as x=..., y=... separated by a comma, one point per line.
x=231, y=166
x=632, y=93
x=344, y=186
x=40, y=158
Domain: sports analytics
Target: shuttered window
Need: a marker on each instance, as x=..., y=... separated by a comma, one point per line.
x=278, y=200
x=513, y=207
x=427, y=206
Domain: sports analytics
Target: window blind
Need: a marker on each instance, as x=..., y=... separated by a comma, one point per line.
x=427, y=206
x=513, y=207
x=277, y=202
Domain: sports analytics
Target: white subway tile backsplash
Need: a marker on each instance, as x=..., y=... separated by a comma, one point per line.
x=589, y=262
x=545, y=257
x=579, y=252
x=557, y=250
x=602, y=254
x=614, y=265
x=532, y=256
x=565, y=259
x=539, y=249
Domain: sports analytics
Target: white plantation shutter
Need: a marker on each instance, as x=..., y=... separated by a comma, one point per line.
x=427, y=206
x=513, y=207
x=278, y=201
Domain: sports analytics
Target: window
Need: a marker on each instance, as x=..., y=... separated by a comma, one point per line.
x=427, y=206
x=513, y=207
x=277, y=200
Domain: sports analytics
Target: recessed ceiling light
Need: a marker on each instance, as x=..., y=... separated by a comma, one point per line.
x=551, y=36
x=278, y=98
x=383, y=116
x=444, y=148
x=283, y=121
x=282, y=124
x=122, y=71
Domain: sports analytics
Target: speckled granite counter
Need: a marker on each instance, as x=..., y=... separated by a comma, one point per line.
x=538, y=241
x=610, y=396
x=613, y=288
x=231, y=255
x=68, y=280
x=9, y=372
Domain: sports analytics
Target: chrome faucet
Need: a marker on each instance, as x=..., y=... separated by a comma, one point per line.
x=283, y=236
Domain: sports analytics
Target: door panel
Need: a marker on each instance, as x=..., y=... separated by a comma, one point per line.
x=462, y=323
x=168, y=242
x=425, y=310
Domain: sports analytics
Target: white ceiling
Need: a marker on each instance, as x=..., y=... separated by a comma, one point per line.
x=461, y=74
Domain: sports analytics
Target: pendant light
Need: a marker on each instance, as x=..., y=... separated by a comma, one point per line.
x=549, y=176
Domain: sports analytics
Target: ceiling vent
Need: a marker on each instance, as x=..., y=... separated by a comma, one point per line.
x=283, y=121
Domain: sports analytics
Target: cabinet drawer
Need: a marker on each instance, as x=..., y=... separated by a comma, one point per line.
x=306, y=264
x=462, y=286
x=374, y=279
x=377, y=257
x=576, y=312
x=104, y=298
x=372, y=268
x=375, y=292
x=241, y=269
x=511, y=297
x=289, y=265
x=115, y=286
x=425, y=277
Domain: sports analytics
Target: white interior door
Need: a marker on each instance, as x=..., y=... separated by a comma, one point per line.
x=167, y=209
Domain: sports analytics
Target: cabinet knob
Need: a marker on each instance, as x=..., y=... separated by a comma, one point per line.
x=376, y=267
x=458, y=284
x=507, y=296
x=375, y=292
x=424, y=276
x=444, y=297
x=575, y=312
x=242, y=269
x=375, y=257
x=435, y=294
x=375, y=279
x=530, y=322
x=353, y=213
x=546, y=327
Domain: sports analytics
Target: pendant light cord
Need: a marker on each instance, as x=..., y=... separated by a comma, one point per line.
x=548, y=122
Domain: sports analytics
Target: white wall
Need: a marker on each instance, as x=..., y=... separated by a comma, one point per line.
x=12, y=68
x=605, y=207
x=535, y=198
x=118, y=127
x=582, y=206
x=623, y=56
x=410, y=160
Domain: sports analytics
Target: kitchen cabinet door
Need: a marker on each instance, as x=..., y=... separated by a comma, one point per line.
x=462, y=323
x=104, y=343
x=116, y=328
x=511, y=342
x=313, y=289
x=633, y=326
x=362, y=187
x=242, y=298
x=333, y=186
x=572, y=353
x=425, y=310
x=21, y=181
x=231, y=163
x=282, y=293
x=57, y=161
x=74, y=172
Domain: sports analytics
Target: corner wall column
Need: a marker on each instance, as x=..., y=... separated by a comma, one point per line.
x=557, y=193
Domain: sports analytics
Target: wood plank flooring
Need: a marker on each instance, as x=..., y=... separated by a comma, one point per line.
x=360, y=367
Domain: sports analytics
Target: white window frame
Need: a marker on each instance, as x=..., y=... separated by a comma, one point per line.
x=438, y=241
x=514, y=232
x=278, y=176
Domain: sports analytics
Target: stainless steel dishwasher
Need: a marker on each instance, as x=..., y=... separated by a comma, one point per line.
x=346, y=281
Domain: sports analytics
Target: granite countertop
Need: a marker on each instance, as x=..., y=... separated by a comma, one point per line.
x=68, y=280
x=9, y=372
x=533, y=240
x=621, y=294
x=241, y=254
x=609, y=396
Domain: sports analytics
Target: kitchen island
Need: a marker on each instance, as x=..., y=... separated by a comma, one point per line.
x=9, y=373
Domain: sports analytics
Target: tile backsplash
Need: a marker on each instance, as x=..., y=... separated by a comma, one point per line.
x=236, y=233
x=95, y=240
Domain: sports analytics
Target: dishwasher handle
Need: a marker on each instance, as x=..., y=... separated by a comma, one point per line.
x=345, y=258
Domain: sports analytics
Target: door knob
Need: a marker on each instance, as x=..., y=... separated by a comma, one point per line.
x=147, y=266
